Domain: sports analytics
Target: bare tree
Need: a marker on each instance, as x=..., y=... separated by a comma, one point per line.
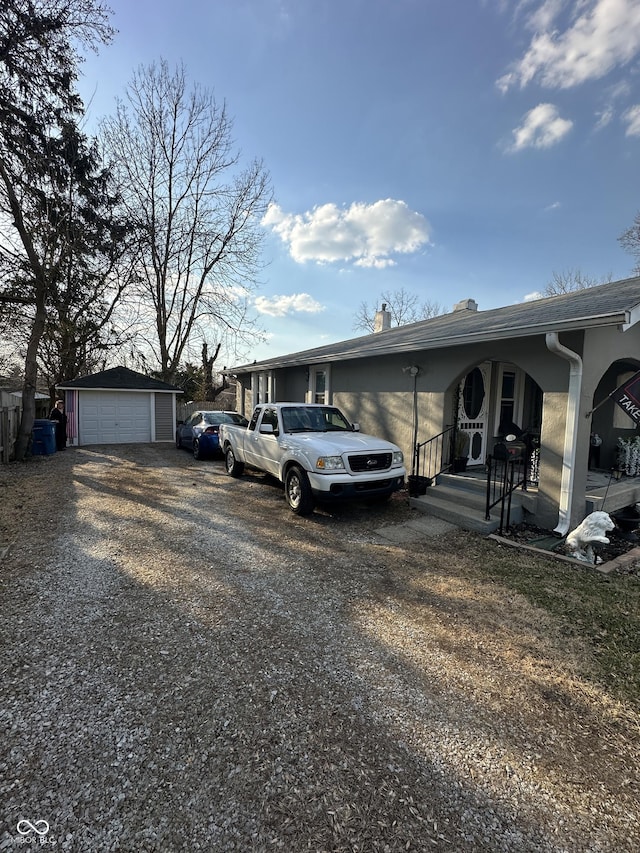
x=209, y=390
x=196, y=212
x=570, y=280
x=630, y=241
x=403, y=306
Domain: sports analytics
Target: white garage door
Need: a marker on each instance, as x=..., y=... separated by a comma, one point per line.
x=114, y=417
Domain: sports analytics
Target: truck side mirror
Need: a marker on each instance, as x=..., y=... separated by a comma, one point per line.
x=266, y=429
x=355, y=427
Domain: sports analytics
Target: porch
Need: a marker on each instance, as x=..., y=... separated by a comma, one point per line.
x=461, y=499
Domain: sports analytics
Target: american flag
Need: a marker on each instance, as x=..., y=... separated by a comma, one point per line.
x=71, y=407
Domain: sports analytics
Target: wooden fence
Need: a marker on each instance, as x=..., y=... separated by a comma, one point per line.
x=225, y=402
x=9, y=423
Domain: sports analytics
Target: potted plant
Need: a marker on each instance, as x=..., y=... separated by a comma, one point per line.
x=461, y=451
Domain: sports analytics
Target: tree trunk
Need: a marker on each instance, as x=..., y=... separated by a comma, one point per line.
x=23, y=441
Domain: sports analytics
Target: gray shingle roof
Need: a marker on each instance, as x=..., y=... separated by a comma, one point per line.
x=605, y=305
x=120, y=379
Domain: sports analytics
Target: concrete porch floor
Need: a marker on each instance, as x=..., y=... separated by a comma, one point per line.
x=601, y=488
x=606, y=493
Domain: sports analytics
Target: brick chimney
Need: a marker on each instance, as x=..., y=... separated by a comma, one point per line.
x=382, y=320
x=466, y=305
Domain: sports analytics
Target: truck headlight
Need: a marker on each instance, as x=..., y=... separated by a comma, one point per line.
x=329, y=463
x=398, y=457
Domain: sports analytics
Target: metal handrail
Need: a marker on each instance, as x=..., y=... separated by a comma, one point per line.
x=434, y=456
x=504, y=476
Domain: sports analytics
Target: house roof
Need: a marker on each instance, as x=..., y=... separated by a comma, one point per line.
x=37, y=395
x=613, y=304
x=119, y=379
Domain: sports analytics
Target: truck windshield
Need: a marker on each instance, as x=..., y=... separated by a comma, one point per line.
x=314, y=419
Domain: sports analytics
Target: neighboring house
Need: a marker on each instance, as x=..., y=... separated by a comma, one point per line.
x=547, y=366
x=13, y=400
x=119, y=406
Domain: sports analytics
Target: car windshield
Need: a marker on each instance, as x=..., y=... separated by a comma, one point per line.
x=314, y=419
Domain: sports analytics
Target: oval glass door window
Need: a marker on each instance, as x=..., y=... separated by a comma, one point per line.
x=476, y=445
x=473, y=393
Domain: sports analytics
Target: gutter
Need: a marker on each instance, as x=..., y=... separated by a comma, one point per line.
x=571, y=429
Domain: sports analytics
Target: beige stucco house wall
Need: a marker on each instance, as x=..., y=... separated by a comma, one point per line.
x=402, y=384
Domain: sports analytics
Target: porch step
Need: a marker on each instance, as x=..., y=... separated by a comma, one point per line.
x=462, y=501
x=463, y=482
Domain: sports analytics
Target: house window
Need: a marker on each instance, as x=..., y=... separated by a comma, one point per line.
x=507, y=397
x=510, y=400
x=318, y=385
x=263, y=387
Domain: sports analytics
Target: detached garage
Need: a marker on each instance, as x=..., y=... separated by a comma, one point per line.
x=119, y=406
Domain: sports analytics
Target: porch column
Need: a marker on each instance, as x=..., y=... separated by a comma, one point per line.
x=570, y=431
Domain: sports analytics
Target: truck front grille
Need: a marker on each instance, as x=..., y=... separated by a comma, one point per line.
x=370, y=462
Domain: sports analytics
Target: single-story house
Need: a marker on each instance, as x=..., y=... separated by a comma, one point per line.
x=546, y=366
x=119, y=406
x=13, y=400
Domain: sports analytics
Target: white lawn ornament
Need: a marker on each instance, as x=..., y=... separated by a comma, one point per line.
x=593, y=529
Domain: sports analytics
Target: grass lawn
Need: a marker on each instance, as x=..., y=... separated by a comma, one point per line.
x=602, y=610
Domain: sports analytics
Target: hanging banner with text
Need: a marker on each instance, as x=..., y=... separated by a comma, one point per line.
x=627, y=396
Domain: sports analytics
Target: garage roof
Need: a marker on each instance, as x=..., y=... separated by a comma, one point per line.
x=617, y=303
x=119, y=379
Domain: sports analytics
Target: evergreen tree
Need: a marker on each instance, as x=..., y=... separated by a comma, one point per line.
x=39, y=147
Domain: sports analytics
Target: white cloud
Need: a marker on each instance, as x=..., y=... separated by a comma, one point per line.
x=543, y=17
x=602, y=35
x=531, y=297
x=632, y=120
x=541, y=127
x=364, y=234
x=555, y=205
x=604, y=117
x=282, y=306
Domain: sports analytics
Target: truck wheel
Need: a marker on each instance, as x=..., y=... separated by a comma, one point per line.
x=231, y=464
x=298, y=491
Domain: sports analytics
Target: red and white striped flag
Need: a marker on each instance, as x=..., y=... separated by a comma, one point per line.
x=71, y=405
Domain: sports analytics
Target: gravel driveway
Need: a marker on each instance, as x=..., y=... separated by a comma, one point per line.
x=188, y=666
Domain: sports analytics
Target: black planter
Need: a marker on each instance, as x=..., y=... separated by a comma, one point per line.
x=418, y=485
x=627, y=519
x=460, y=464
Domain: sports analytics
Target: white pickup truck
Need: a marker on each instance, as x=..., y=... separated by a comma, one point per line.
x=314, y=450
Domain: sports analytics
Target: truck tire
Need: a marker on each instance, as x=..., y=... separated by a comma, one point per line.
x=298, y=491
x=231, y=464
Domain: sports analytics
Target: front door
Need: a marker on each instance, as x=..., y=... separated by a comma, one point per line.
x=473, y=405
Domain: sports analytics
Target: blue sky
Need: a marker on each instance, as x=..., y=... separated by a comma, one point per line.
x=453, y=148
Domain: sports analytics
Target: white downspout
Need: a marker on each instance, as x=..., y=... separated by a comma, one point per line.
x=571, y=430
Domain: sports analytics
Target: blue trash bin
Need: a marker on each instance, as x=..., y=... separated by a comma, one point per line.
x=44, y=437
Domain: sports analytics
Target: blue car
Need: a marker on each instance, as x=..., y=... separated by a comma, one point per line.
x=200, y=431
